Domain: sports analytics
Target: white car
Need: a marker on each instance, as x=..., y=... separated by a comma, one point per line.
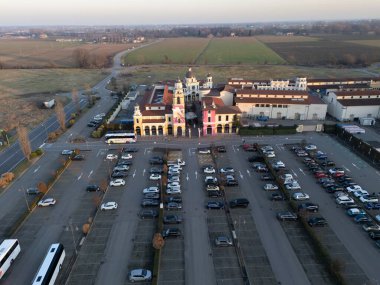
x=341, y=200
x=204, y=150
x=360, y=193
x=155, y=176
x=310, y=147
x=108, y=206
x=368, y=199
x=140, y=275
x=353, y=188
x=173, y=179
x=67, y=152
x=293, y=186
x=286, y=176
x=181, y=162
x=211, y=187
x=270, y=187
x=211, y=179
x=267, y=148
x=299, y=196
x=111, y=156
x=152, y=189
x=174, y=184
x=175, y=167
x=46, y=202
x=278, y=164
x=209, y=170
x=227, y=170
x=173, y=191
x=117, y=182
x=126, y=156
x=270, y=154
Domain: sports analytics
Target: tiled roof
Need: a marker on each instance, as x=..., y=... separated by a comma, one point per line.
x=313, y=80
x=228, y=110
x=287, y=101
x=271, y=92
x=359, y=102
x=148, y=121
x=357, y=93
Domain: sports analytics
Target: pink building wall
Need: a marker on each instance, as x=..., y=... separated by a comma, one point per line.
x=206, y=122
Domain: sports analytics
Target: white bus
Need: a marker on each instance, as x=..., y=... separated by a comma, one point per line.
x=9, y=249
x=120, y=138
x=50, y=267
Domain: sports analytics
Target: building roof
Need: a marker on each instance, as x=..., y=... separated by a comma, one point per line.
x=340, y=86
x=360, y=102
x=314, y=80
x=285, y=101
x=271, y=92
x=228, y=110
x=148, y=121
x=168, y=96
x=189, y=73
x=157, y=113
x=357, y=93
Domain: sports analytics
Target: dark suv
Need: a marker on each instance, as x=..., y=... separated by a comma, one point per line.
x=32, y=191
x=240, y=202
x=311, y=207
x=92, y=188
x=156, y=160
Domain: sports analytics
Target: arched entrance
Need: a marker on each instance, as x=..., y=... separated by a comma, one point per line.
x=170, y=130
x=160, y=131
x=219, y=129
x=154, y=131
x=226, y=129
x=209, y=130
x=138, y=131
x=147, y=131
x=233, y=129
x=179, y=131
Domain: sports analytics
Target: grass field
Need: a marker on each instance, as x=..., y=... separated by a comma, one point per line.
x=168, y=51
x=372, y=43
x=238, y=51
x=22, y=90
x=285, y=39
x=49, y=54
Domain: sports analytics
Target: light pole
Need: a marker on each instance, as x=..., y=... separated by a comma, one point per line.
x=26, y=200
x=72, y=228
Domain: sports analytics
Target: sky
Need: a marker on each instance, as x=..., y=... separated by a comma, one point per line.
x=148, y=12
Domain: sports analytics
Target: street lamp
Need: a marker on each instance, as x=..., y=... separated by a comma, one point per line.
x=72, y=229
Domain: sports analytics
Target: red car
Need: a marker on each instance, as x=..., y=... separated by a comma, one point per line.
x=249, y=147
x=338, y=174
x=320, y=175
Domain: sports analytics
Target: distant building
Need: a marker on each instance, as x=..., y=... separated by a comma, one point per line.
x=351, y=105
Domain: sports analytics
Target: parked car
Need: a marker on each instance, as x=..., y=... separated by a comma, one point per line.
x=126, y=156
x=214, y=193
x=137, y=275
x=148, y=214
x=46, y=202
x=311, y=147
x=121, y=168
x=214, y=205
x=154, y=176
x=108, y=206
x=341, y=200
x=156, y=170
x=352, y=212
x=231, y=182
x=173, y=206
x=118, y=174
x=240, y=202
x=210, y=180
x=370, y=226
x=150, y=203
x=174, y=184
x=270, y=187
x=267, y=177
x=204, y=150
x=311, y=207
x=67, y=152
x=286, y=216
x=174, y=171
x=221, y=148
x=32, y=191
x=172, y=219
x=156, y=160
x=209, y=170
x=353, y=188
x=92, y=188
x=177, y=199
x=300, y=196
x=172, y=191
x=221, y=241
x=212, y=187
x=171, y=232
x=360, y=193
x=78, y=157
x=277, y=197
x=362, y=218
x=249, y=147
x=374, y=235
x=130, y=149
x=174, y=178
x=117, y=182
x=293, y=186
x=369, y=198
x=372, y=206
x=151, y=196
x=111, y=156
x=317, y=221
x=152, y=189
x=227, y=170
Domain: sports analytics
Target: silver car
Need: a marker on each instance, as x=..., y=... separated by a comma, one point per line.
x=223, y=241
x=140, y=275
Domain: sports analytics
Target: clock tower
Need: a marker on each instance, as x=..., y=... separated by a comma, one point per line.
x=179, y=120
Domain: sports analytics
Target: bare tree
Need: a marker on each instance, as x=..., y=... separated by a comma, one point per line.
x=75, y=98
x=81, y=57
x=61, y=115
x=23, y=139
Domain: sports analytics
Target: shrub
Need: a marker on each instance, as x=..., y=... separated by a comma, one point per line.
x=8, y=176
x=39, y=151
x=33, y=155
x=71, y=122
x=3, y=182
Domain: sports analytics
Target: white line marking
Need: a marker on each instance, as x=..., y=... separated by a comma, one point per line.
x=302, y=171
x=346, y=168
x=80, y=176
x=35, y=170
x=295, y=174
x=249, y=173
x=90, y=173
x=355, y=165
x=187, y=176
x=241, y=175
x=144, y=172
x=196, y=174
x=41, y=146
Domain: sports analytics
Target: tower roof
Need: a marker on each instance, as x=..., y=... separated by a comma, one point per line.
x=189, y=73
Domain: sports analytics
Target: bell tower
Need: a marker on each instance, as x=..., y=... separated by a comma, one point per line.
x=179, y=123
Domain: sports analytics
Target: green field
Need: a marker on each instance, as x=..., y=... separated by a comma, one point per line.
x=372, y=43
x=168, y=51
x=285, y=39
x=238, y=51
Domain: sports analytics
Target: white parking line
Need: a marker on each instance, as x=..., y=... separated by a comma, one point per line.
x=80, y=176
x=187, y=176
x=235, y=148
x=35, y=170
x=41, y=146
x=280, y=146
x=295, y=174
x=134, y=174
x=241, y=175
x=346, y=168
x=249, y=173
x=144, y=172
x=196, y=174
x=302, y=171
x=90, y=173
x=355, y=165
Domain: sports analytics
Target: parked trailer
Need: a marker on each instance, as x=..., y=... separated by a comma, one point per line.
x=49, y=104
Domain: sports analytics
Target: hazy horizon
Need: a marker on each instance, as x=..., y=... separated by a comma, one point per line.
x=171, y=12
